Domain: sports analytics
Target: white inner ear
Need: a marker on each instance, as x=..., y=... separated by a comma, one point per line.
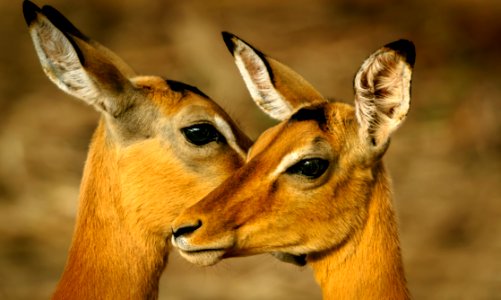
x=258, y=82
x=60, y=61
x=370, y=109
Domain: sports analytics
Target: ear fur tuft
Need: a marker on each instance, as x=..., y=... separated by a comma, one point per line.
x=382, y=91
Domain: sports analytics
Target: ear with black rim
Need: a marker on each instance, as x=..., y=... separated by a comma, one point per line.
x=275, y=88
x=77, y=65
x=382, y=91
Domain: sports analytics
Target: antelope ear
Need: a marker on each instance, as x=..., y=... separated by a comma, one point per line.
x=275, y=88
x=77, y=65
x=382, y=91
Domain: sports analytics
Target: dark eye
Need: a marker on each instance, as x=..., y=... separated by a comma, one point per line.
x=311, y=168
x=202, y=134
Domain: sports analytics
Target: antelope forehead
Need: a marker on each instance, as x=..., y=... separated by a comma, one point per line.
x=193, y=113
x=264, y=141
x=184, y=88
x=316, y=114
x=150, y=81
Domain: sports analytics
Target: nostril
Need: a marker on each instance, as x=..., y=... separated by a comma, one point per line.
x=186, y=228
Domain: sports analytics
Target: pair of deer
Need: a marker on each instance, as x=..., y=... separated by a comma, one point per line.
x=312, y=189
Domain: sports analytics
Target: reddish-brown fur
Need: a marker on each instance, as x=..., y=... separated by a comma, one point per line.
x=342, y=220
x=141, y=169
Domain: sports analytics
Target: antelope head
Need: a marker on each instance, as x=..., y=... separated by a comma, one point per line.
x=166, y=143
x=305, y=185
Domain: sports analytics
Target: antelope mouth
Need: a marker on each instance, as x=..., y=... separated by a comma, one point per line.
x=199, y=255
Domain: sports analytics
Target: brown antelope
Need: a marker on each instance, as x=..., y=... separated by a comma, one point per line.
x=160, y=145
x=314, y=184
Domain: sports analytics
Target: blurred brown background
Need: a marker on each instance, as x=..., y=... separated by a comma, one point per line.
x=445, y=161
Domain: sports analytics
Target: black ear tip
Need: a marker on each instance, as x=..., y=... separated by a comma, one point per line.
x=227, y=34
x=30, y=11
x=61, y=22
x=228, y=40
x=405, y=48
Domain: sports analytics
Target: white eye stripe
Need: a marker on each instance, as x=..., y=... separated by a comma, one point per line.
x=289, y=160
x=225, y=129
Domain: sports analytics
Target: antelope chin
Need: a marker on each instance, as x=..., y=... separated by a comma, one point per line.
x=206, y=255
x=203, y=258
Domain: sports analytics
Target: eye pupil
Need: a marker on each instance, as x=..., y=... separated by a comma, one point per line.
x=311, y=168
x=202, y=134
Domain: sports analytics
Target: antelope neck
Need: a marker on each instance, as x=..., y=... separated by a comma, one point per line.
x=369, y=265
x=108, y=259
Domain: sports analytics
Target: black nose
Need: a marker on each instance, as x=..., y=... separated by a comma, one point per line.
x=186, y=228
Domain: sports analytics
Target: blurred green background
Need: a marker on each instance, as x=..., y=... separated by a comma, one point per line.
x=445, y=161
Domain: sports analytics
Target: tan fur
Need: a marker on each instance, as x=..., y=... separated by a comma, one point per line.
x=140, y=171
x=295, y=89
x=343, y=220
